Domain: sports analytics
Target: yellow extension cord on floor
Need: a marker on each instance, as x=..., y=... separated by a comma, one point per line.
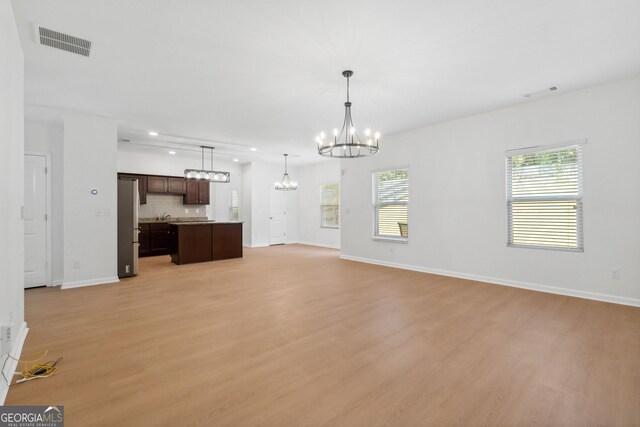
x=33, y=369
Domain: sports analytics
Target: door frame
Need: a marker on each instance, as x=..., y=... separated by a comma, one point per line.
x=284, y=219
x=48, y=233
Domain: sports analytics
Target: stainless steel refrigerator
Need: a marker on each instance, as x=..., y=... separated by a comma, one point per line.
x=128, y=208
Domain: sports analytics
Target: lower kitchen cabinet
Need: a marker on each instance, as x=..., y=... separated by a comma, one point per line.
x=193, y=242
x=154, y=239
x=143, y=239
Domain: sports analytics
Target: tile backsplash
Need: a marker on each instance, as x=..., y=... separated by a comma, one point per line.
x=159, y=204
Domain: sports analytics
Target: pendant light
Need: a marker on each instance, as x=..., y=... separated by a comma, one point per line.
x=207, y=174
x=286, y=184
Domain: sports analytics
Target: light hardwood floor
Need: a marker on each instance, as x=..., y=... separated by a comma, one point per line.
x=292, y=335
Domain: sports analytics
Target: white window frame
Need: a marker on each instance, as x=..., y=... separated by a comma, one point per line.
x=322, y=206
x=376, y=205
x=232, y=207
x=578, y=199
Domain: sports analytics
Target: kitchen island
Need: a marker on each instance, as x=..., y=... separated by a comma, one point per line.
x=202, y=241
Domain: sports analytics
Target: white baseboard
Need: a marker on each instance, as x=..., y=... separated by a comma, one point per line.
x=262, y=245
x=322, y=245
x=56, y=283
x=10, y=367
x=90, y=282
x=497, y=281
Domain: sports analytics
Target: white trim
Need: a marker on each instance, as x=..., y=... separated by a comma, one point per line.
x=57, y=282
x=525, y=150
x=90, y=282
x=321, y=245
x=12, y=364
x=49, y=228
x=391, y=239
x=634, y=302
x=260, y=245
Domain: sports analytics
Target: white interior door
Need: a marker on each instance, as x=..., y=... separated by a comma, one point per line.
x=277, y=217
x=35, y=221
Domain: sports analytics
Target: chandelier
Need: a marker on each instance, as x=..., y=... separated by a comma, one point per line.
x=205, y=174
x=347, y=143
x=286, y=184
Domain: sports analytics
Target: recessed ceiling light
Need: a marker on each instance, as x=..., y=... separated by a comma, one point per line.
x=236, y=160
x=172, y=152
x=254, y=149
x=153, y=133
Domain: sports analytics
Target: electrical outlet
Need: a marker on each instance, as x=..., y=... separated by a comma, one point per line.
x=186, y=211
x=76, y=264
x=197, y=210
x=615, y=274
x=5, y=339
x=127, y=269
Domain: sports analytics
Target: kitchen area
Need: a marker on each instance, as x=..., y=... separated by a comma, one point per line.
x=167, y=215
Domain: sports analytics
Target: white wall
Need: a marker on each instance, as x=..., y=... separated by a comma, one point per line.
x=457, y=212
x=11, y=186
x=246, y=205
x=310, y=178
x=49, y=139
x=90, y=221
x=174, y=165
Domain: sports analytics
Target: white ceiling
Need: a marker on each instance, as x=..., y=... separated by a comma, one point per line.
x=266, y=74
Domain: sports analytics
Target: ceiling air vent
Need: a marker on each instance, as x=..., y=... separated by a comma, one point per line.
x=62, y=41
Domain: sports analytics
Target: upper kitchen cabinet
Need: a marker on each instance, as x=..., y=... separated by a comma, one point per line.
x=166, y=184
x=157, y=184
x=197, y=192
x=142, y=185
x=177, y=185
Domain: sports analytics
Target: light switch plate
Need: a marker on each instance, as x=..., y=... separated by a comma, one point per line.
x=5, y=339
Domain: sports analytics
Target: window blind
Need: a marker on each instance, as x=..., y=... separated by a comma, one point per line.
x=330, y=206
x=234, y=203
x=390, y=203
x=544, y=198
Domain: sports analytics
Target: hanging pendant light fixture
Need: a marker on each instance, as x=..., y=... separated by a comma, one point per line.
x=351, y=145
x=286, y=184
x=207, y=174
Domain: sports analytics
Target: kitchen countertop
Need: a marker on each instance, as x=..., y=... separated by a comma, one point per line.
x=203, y=222
x=172, y=220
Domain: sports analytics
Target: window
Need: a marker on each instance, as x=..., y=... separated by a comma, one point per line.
x=330, y=207
x=234, y=202
x=390, y=204
x=544, y=197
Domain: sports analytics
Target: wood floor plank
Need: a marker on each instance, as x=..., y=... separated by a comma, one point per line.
x=293, y=335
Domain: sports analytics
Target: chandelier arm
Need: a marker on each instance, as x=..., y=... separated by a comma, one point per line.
x=344, y=124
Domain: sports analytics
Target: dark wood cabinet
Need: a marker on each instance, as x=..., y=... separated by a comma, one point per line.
x=167, y=184
x=159, y=238
x=226, y=241
x=176, y=185
x=193, y=192
x=197, y=192
x=190, y=243
x=205, y=242
x=143, y=239
x=203, y=192
x=154, y=239
x=142, y=185
x=157, y=184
